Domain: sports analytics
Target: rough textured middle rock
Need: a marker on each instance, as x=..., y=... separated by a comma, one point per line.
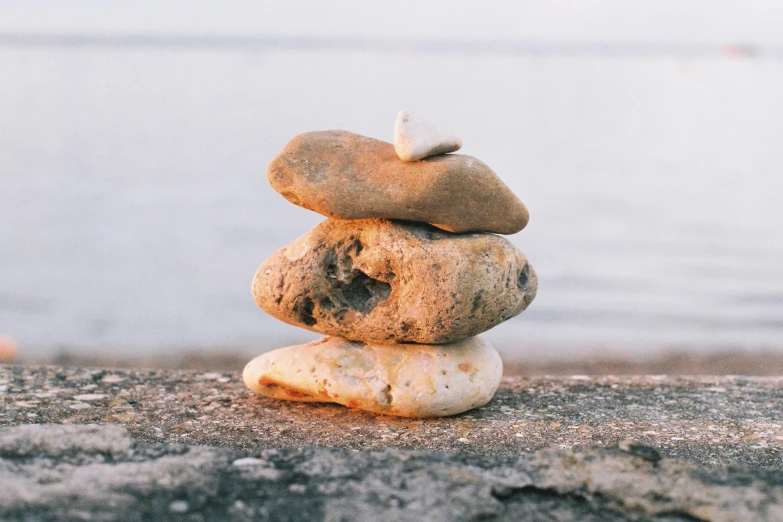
x=409, y=380
x=388, y=282
x=346, y=176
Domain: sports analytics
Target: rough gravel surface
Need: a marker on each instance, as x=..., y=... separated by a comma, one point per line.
x=707, y=420
x=574, y=448
x=56, y=472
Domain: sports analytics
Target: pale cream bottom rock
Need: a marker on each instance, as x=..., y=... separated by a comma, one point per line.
x=409, y=380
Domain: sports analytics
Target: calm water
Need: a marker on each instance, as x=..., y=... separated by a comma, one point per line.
x=134, y=207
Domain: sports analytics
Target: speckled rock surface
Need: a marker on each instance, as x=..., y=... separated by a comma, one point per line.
x=408, y=380
x=387, y=281
x=415, y=138
x=706, y=420
x=52, y=472
x=343, y=175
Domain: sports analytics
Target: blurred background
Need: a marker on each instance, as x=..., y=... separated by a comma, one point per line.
x=644, y=137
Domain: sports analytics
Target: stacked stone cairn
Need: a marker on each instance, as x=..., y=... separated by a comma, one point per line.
x=405, y=272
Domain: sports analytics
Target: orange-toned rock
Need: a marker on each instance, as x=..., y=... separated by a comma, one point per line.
x=409, y=380
x=346, y=176
x=385, y=281
x=9, y=352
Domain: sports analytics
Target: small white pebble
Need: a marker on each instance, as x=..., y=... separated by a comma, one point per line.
x=90, y=397
x=415, y=139
x=179, y=506
x=211, y=376
x=247, y=461
x=79, y=406
x=519, y=435
x=297, y=488
x=463, y=440
x=112, y=379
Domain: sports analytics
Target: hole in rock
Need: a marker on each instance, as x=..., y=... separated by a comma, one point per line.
x=523, y=276
x=363, y=293
x=303, y=308
x=387, y=395
x=476, y=302
x=330, y=260
x=357, y=246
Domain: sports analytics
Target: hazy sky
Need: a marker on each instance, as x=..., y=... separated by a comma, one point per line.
x=672, y=21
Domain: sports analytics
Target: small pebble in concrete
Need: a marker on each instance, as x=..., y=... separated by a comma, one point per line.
x=247, y=461
x=179, y=506
x=90, y=397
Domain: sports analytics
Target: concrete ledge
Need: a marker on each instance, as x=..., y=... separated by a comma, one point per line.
x=56, y=472
x=707, y=420
x=676, y=437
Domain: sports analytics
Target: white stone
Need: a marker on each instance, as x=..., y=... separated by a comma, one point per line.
x=179, y=506
x=87, y=397
x=416, y=139
x=409, y=380
x=248, y=461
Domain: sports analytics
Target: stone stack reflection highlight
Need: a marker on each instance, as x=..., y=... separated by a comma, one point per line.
x=402, y=277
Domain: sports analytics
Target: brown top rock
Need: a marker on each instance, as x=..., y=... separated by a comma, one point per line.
x=346, y=176
x=384, y=281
